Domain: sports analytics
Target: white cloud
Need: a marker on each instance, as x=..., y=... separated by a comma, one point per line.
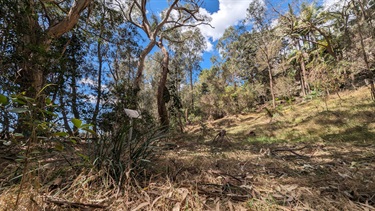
x=230, y=13
x=209, y=45
x=90, y=82
x=331, y=4
x=92, y=99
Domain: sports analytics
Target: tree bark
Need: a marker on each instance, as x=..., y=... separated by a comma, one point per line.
x=191, y=89
x=304, y=84
x=64, y=116
x=140, y=67
x=162, y=109
x=100, y=61
x=36, y=43
x=271, y=84
x=69, y=22
x=35, y=38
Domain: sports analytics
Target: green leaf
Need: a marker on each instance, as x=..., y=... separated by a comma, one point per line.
x=28, y=99
x=49, y=113
x=18, y=110
x=19, y=135
x=59, y=147
x=77, y=122
x=89, y=130
x=84, y=157
x=86, y=125
x=3, y=100
x=61, y=134
x=48, y=101
x=19, y=160
x=20, y=101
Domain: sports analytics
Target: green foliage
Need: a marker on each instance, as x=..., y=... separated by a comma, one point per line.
x=77, y=122
x=3, y=100
x=314, y=94
x=119, y=154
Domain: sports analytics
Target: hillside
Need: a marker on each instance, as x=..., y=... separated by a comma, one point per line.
x=312, y=155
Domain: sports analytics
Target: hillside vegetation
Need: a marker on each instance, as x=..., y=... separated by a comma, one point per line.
x=317, y=154
x=177, y=105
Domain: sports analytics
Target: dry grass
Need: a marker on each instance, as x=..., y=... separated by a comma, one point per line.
x=312, y=156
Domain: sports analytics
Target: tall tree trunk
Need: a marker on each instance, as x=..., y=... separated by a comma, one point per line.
x=140, y=67
x=305, y=85
x=271, y=84
x=36, y=43
x=99, y=90
x=35, y=37
x=100, y=61
x=191, y=89
x=162, y=109
x=370, y=74
x=64, y=114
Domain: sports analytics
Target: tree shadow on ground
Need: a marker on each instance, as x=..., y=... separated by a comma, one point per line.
x=337, y=171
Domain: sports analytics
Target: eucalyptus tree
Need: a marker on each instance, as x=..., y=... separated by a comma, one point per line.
x=178, y=14
x=30, y=39
x=35, y=26
x=113, y=45
x=364, y=11
x=186, y=51
x=232, y=50
x=269, y=45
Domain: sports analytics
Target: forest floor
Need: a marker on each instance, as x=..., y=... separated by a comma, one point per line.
x=317, y=154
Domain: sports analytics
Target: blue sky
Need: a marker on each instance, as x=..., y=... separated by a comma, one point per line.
x=224, y=13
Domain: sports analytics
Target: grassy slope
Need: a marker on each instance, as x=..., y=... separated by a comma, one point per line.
x=333, y=170
x=312, y=156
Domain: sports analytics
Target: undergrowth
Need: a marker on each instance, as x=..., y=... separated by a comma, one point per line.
x=311, y=156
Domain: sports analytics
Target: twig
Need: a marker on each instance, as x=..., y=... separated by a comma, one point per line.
x=224, y=191
x=220, y=193
x=74, y=204
x=290, y=150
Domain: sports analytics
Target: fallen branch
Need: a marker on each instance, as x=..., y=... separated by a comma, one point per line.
x=225, y=190
x=217, y=193
x=291, y=151
x=74, y=204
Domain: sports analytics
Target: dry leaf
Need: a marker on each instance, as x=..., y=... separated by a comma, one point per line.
x=153, y=203
x=289, y=188
x=217, y=200
x=141, y=206
x=230, y=205
x=184, y=193
x=177, y=207
x=277, y=196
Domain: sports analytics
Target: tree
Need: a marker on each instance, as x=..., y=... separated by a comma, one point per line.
x=32, y=30
x=362, y=22
x=36, y=38
x=310, y=38
x=156, y=29
x=267, y=53
x=186, y=54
